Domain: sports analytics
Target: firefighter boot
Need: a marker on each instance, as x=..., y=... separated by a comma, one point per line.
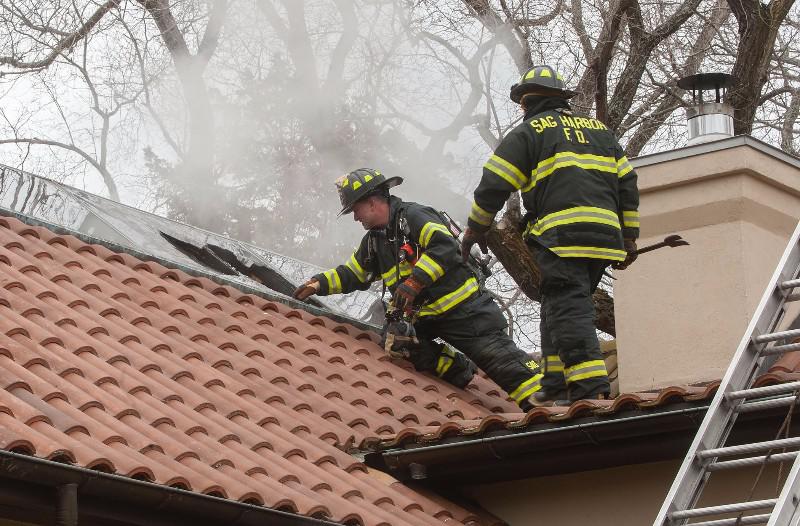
x=454, y=367
x=566, y=403
x=462, y=377
x=546, y=398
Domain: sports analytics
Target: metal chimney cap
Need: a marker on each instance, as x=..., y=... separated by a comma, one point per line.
x=706, y=81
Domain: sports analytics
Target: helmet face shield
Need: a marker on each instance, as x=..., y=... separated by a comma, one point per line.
x=360, y=183
x=540, y=79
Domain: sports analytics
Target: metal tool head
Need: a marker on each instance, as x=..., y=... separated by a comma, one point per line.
x=675, y=240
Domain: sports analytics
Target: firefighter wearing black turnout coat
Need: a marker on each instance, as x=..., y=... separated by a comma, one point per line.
x=581, y=199
x=409, y=247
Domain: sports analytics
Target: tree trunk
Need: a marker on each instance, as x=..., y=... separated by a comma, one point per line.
x=505, y=241
x=195, y=175
x=758, y=28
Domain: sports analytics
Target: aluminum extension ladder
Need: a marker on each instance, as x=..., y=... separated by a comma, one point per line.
x=736, y=395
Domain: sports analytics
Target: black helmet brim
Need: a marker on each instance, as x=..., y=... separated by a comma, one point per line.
x=389, y=183
x=518, y=90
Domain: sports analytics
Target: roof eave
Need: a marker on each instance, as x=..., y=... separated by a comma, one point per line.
x=106, y=497
x=632, y=437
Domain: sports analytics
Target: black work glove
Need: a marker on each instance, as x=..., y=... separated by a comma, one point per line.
x=406, y=293
x=470, y=238
x=309, y=288
x=630, y=248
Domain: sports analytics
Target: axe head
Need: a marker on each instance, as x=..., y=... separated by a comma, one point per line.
x=675, y=240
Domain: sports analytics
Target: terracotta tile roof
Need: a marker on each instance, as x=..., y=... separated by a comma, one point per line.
x=786, y=369
x=129, y=367
x=126, y=366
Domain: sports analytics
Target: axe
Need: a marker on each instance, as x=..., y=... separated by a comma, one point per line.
x=673, y=240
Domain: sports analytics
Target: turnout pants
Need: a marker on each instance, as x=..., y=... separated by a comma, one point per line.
x=477, y=328
x=571, y=356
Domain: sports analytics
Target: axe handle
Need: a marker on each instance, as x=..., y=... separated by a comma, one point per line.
x=650, y=248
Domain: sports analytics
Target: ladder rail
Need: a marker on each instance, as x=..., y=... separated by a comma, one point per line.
x=721, y=414
x=786, y=511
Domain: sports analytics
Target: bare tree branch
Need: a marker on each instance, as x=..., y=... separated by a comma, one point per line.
x=788, y=134
x=669, y=104
x=67, y=43
x=518, y=49
x=146, y=80
x=758, y=29
x=464, y=116
x=216, y=19
x=41, y=28
x=347, y=39
x=108, y=179
x=603, y=53
x=643, y=43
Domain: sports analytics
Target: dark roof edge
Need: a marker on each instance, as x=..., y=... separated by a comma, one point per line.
x=631, y=437
x=197, y=272
x=145, y=495
x=714, y=146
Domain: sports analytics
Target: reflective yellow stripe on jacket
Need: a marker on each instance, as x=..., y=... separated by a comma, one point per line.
x=356, y=268
x=430, y=267
x=428, y=230
x=507, y=171
x=448, y=301
x=480, y=216
x=630, y=218
x=390, y=276
x=586, y=161
x=334, y=283
x=578, y=214
x=590, y=252
x=623, y=167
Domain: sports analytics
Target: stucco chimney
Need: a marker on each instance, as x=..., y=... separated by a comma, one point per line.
x=708, y=119
x=680, y=312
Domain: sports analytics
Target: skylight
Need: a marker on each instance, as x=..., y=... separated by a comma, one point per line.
x=31, y=196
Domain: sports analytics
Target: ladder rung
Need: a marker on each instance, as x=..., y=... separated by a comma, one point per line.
x=744, y=449
x=763, y=391
x=752, y=461
x=790, y=284
x=773, y=336
x=725, y=508
x=762, y=405
x=780, y=349
x=744, y=521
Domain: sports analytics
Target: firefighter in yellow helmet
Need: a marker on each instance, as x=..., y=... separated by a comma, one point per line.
x=408, y=246
x=581, y=202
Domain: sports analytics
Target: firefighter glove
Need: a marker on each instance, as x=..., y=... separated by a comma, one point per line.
x=399, y=338
x=470, y=238
x=309, y=288
x=630, y=248
x=406, y=293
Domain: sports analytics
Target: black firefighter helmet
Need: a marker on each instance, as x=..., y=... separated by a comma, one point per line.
x=360, y=183
x=542, y=79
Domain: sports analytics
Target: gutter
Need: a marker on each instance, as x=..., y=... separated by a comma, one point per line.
x=633, y=437
x=28, y=483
